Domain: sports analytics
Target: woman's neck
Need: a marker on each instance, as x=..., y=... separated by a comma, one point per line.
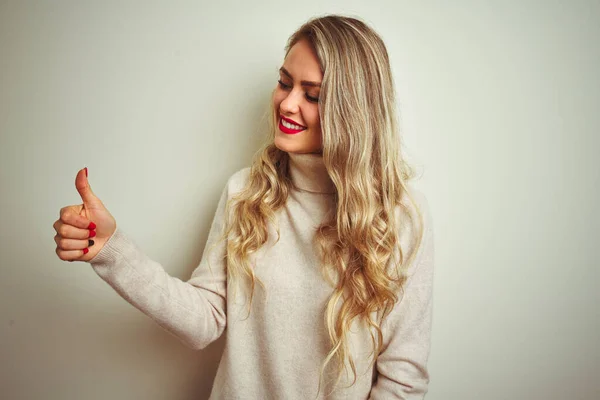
x=308, y=173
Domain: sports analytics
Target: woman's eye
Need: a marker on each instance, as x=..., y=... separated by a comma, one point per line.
x=283, y=85
x=287, y=87
x=312, y=99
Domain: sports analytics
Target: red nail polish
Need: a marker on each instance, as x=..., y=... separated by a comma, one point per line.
x=85, y=251
x=86, y=173
x=92, y=226
x=92, y=233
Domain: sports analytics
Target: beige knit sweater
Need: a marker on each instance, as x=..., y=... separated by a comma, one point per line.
x=276, y=352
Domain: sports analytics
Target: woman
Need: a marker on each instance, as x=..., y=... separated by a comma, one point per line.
x=323, y=220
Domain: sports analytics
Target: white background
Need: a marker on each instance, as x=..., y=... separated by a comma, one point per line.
x=163, y=101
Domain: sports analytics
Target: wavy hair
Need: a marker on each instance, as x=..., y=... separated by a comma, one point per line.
x=362, y=154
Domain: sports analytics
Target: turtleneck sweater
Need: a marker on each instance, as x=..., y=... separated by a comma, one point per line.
x=276, y=350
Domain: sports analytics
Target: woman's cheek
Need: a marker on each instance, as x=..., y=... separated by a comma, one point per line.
x=314, y=120
x=277, y=96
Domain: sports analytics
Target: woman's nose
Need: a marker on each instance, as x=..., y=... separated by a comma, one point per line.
x=291, y=103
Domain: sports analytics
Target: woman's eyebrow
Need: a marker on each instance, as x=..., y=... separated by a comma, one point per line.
x=303, y=83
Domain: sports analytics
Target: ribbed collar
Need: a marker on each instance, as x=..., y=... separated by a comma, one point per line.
x=308, y=173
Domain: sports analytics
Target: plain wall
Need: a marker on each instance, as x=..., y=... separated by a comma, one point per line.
x=163, y=101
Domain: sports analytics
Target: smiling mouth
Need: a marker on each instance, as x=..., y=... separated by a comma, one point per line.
x=290, y=128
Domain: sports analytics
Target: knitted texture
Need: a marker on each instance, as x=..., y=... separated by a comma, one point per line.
x=276, y=352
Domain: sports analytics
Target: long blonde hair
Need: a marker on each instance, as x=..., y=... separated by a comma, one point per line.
x=362, y=154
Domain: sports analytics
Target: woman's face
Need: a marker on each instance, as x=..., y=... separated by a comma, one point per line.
x=295, y=101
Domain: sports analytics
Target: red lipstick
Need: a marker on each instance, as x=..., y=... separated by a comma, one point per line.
x=287, y=130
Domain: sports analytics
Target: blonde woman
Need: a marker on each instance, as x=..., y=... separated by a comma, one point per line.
x=319, y=262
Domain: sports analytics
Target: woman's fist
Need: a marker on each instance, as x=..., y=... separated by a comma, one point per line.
x=81, y=224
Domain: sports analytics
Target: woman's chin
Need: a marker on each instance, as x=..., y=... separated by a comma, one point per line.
x=290, y=144
x=283, y=143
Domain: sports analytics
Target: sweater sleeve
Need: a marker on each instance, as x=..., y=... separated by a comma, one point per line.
x=402, y=365
x=193, y=311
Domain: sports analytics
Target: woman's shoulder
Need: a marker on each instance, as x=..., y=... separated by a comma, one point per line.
x=413, y=201
x=414, y=219
x=237, y=181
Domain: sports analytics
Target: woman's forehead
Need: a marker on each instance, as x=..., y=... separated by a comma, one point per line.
x=302, y=63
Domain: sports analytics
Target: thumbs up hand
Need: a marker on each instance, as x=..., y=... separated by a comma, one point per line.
x=82, y=230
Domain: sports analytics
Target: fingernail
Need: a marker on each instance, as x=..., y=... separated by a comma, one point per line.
x=92, y=226
x=90, y=242
x=86, y=173
x=85, y=251
x=92, y=233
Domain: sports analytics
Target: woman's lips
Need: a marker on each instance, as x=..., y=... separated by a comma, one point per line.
x=289, y=131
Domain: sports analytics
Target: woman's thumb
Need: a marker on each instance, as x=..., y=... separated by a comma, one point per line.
x=84, y=189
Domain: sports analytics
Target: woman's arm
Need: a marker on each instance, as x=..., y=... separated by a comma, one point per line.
x=402, y=365
x=193, y=311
